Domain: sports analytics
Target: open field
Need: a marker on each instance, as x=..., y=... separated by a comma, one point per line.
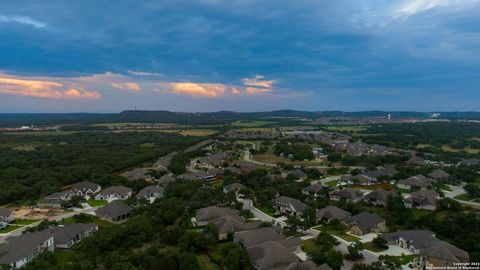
x=191, y=132
x=251, y=123
x=123, y=125
x=448, y=148
x=42, y=133
x=349, y=129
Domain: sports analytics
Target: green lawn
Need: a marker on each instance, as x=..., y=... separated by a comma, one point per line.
x=464, y=197
x=215, y=252
x=24, y=221
x=205, y=263
x=267, y=210
x=9, y=229
x=404, y=259
x=331, y=183
x=95, y=203
x=309, y=245
x=343, y=235
x=370, y=246
x=63, y=256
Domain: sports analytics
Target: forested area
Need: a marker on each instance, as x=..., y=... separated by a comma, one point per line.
x=32, y=165
x=298, y=151
x=458, y=135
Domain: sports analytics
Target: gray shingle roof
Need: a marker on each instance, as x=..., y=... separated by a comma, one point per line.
x=348, y=193
x=85, y=186
x=296, y=204
x=4, y=213
x=428, y=245
x=427, y=196
x=234, y=223
x=366, y=220
x=271, y=255
x=332, y=212
x=439, y=174
x=114, y=209
x=19, y=247
x=120, y=190
x=214, y=212
x=315, y=188
x=145, y=192
x=63, y=235
x=379, y=195
x=257, y=236
x=416, y=180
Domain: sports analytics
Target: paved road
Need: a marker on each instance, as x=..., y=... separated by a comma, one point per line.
x=458, y=190
x=369, y=257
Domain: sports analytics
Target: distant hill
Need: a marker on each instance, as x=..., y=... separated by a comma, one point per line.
x=221, y=117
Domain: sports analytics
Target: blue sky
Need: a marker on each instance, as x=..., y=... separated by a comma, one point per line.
x=211, y=55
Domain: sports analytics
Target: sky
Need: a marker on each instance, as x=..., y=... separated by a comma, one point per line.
x=239, y=55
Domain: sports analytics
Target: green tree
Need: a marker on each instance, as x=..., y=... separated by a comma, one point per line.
x=380, y=242
x=355, y=250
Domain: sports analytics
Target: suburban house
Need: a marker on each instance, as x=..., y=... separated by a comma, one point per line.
x=230, y=224
x=227, y=220
x=348, y=194
x=378, y=197
x=20, y=250
x=422, y=199
x=85, y=189
x=207, y=214
x=115, y=212
x=416, y=161
x=419, y=180
x=150, y=193
x=470, y=162
x=211, y=161
x=299, y=174
x=234, y=187
x=382, y=172
x=68, y=235
x=439, y=175
x=6, y=216
x=365, y=223
x=363, y=179
x=316, y=190
x=289, y=206
x=330, y=213
x=269, y=250
x=432, y=251
x=114, y=193
x=166, y=179
x=346, y=179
